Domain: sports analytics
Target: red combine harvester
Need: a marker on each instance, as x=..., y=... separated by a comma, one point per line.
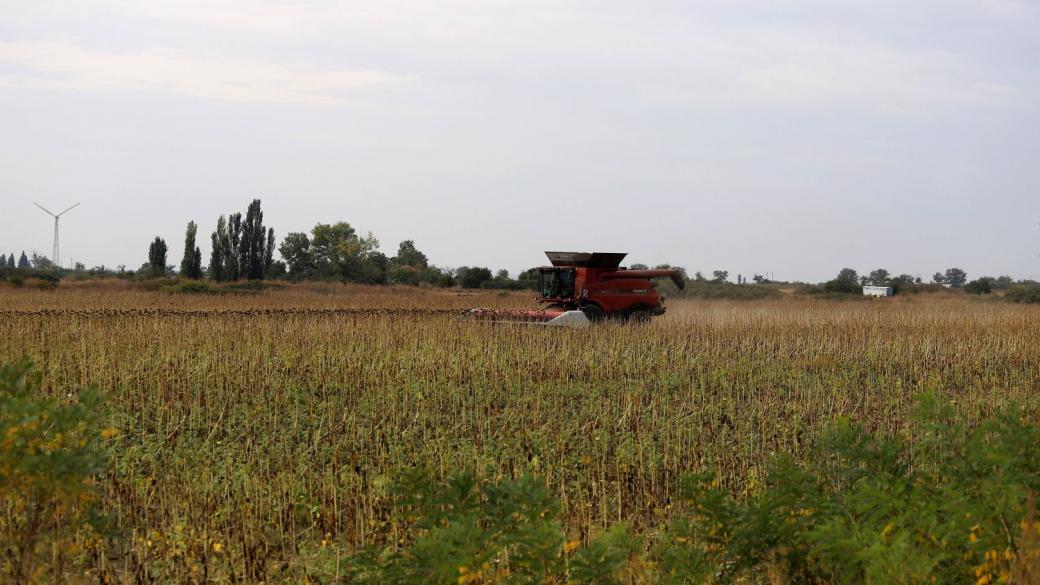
x=580, y=287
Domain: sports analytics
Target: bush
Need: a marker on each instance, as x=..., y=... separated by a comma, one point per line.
x=953, y=506
x=821, y=292
x=250, y=286
x=156, y=284
x=922, y=287
x=1024, y=293
x=195, y=287
x=198, y=287
x=50, y=453
x=978, y=287
x=507, y=531
x=472, y=277
x=42, y=283
x=869, y=509
x=842, y=286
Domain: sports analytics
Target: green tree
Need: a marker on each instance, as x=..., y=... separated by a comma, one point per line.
x=1001, y=282
x=231, y=244
x=23, y=261
x=276, y=270
x=529, y=279
x=10, y=261
x=191, y=262
x=157, y=257
x=848, y=275
x=40, y=262
x=296, y=251
x=339, y=252
x=846, y=282
x=939, y=278
x=980, y=286
x=880, y=277
x=224, y=259
x=719, y=275
x=372, y=269
x=409, y=255
x=269, y=252
x=256, y=245
x=473, y=277
x=216, y=255
x=955, y=277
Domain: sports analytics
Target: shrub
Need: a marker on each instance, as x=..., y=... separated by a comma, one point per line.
x=250, y=286
x=42, y=283
x=1024, y=293
x=507, y=531
x=195, y=287
x=473, y=277
x=842, y=285
x=49, y=455
x=955, y=505
x=869, y=509
x=978, y=287
x=156, y=284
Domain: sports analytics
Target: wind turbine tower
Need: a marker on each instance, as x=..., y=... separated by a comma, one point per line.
x=55, y=257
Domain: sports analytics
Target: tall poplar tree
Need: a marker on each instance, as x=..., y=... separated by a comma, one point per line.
x=157, y=256
x=191, y=263
x=216, y=257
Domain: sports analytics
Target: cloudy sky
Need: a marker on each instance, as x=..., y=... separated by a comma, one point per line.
x=785, y=136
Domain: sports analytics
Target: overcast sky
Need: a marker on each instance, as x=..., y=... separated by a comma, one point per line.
x=783, y=136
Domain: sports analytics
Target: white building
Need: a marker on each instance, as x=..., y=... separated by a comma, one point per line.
x=877, y=291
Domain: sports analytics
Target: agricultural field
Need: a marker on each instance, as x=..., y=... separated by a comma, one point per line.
x=259, y=436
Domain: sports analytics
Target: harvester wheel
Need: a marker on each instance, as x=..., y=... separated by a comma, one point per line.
x=593, y=313
x=639, y=316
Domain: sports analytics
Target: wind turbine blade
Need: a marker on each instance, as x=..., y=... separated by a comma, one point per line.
x=66, y=211
x=42, y=207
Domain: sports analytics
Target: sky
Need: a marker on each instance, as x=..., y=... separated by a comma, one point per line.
x=788, y=137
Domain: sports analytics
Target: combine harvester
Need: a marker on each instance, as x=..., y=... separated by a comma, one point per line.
x=581, y=288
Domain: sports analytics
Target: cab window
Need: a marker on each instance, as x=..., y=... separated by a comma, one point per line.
x=557, y=284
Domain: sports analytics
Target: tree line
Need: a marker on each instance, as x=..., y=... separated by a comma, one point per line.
x=9, y=261
x=244, y=248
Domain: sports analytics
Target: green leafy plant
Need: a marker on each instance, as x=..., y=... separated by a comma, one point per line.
x=507, y=531
x=944, y=508
x=50, y=453
x=1024, y=293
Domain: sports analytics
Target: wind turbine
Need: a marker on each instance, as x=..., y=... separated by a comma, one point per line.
x=55, y=257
